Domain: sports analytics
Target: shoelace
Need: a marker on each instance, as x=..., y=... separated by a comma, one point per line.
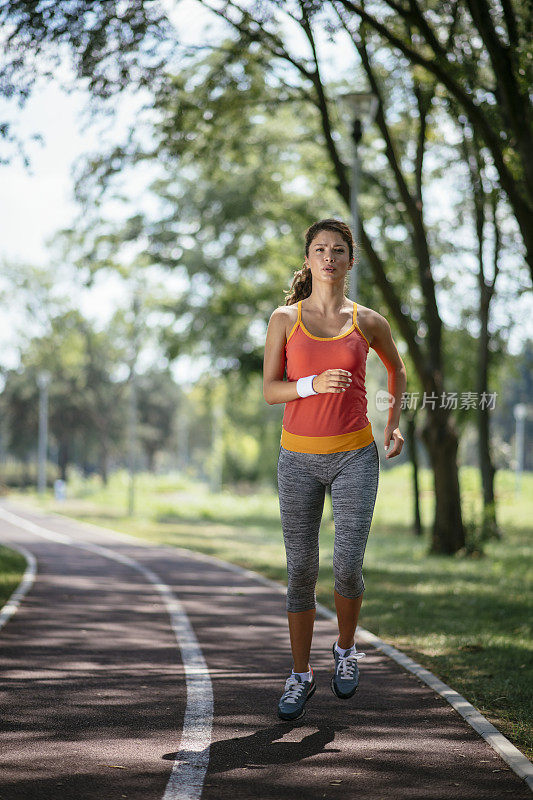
x=346, y=664
x=293, y=688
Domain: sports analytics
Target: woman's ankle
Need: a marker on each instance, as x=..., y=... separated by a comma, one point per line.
x=306, y=675
x=345, y=646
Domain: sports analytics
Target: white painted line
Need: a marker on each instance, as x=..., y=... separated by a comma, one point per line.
x=518, y=762
x=190, y=766
x=24, y=586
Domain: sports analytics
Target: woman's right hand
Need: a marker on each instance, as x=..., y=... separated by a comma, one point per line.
x=332, y=380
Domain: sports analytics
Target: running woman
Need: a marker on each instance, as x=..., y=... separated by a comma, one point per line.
x=322, y=338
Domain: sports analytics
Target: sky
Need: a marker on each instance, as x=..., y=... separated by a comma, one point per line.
x=34, y=205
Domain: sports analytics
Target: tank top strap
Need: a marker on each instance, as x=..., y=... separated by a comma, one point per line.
x=354, y=316
x=297, y=323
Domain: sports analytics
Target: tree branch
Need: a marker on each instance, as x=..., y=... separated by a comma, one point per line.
x=508, y=180
x=514, y=102
x=273, y=42
x=510, y=22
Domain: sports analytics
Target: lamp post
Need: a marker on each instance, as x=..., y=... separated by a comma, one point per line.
x=43, y=380
x=218, y=398
x=132, y=402
x=363, y=106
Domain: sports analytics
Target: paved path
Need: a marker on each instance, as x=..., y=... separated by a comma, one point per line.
x=95, y=690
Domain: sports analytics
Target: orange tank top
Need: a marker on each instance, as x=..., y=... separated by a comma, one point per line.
x=330, y=422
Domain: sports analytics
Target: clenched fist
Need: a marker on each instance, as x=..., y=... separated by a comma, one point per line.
x=332, y=380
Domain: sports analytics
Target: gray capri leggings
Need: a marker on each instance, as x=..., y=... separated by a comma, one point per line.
x=302, y=480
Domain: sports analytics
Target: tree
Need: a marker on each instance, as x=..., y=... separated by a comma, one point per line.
x=485, y=202
x=84, y=397
x=114, y=45
x=478, y=52
x=158, y=399
x=257, y=23
x=481, y=53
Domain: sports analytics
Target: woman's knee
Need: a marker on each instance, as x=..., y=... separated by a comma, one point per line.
x=301, y=585
x=349, y=582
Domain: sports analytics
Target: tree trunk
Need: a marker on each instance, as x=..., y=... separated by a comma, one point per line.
x=411, y=443
x=27, y=478
x=489, y=524
x=104, y=467
x=440, y=437
x=150, y=455
x=63, y=459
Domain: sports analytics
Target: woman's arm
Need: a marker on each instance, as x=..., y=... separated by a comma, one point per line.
x=275, y=389
x=383, y=344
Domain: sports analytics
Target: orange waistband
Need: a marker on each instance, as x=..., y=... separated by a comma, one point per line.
x=352, y=440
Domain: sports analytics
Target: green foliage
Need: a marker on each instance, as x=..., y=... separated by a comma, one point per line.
x=244, y=172
x=16, y=474
x=113, y=46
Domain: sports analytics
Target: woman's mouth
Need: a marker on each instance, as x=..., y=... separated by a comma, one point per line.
x=328, y=269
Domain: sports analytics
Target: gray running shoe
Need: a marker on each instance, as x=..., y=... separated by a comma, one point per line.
x=346, y=678
x=295, y=696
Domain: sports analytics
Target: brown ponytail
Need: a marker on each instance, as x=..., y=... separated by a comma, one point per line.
x=301, y=286
x=302, y=282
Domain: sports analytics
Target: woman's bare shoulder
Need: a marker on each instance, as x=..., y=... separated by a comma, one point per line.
x=370, y=322
x=368, y=313
x=285, y=316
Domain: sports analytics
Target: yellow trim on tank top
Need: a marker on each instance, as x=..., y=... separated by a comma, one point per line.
x=339, y=443
x=298, y=320
x=327, y=338
x=358, y=328
x=354, y=326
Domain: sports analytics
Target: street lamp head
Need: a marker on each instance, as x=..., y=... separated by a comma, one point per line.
x=43, y=378
x=520, y=411
x=363, y=105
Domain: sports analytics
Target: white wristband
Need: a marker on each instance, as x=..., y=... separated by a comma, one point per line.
x=304, y=386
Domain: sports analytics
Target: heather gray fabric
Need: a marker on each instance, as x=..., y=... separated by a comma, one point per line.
x=302, y=480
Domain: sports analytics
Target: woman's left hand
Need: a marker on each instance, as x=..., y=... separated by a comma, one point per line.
x=397, y=441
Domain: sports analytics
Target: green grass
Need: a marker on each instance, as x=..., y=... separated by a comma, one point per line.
x=12, y=568
x=466, y=619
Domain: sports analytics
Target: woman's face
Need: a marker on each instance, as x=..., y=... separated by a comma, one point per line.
x=328, y=257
